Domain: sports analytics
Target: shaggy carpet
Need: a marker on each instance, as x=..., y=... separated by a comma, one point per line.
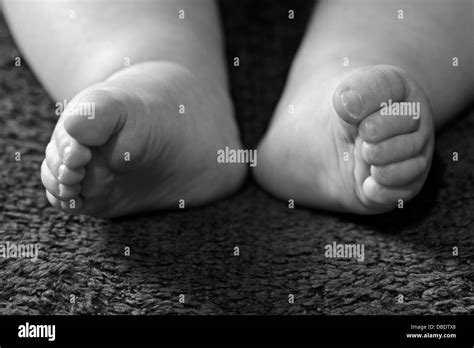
x=82, y=267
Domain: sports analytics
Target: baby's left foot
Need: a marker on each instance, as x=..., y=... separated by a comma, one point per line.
x=333, y=145
x=135, y=152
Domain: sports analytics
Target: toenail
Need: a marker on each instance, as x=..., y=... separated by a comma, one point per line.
x=61, y=170
x=352, y=102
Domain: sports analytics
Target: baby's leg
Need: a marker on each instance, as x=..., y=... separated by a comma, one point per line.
x=151, y=76
x=89, y=40
x=425, y=43
x=331, y=144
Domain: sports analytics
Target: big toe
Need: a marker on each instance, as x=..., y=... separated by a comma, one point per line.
x=363, y=91
x=94, y=115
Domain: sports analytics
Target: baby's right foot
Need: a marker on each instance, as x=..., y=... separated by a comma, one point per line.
x=151, y=143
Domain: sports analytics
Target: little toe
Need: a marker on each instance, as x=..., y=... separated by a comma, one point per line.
x=400, y=173
x=389, y=196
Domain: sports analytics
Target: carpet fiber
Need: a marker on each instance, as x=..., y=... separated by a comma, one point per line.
x=408, y=252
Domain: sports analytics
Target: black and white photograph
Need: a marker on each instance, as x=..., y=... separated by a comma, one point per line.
x=212, y=165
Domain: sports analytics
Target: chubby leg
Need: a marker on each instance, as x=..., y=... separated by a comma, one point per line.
x=149, y=105
x=336, y=140
x=73, y=44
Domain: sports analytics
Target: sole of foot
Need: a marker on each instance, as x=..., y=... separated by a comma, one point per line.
x=359, y=141
x=145, y=139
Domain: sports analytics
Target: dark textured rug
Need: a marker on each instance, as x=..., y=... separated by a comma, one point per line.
x=408, y=252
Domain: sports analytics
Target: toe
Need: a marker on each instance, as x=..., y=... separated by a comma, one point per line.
x=395, y=149
x=389, y=196
x=49, y=180
x=376, y=127
x=51, y=183
x=68, y=176
x=401, y=173
x=106, y=114
x=75, y=155
x=66, y=192
x=61, y=137
x=70, y=169
x=71, y=152
x=52, y=159
x=361, y=93
x=53, y=200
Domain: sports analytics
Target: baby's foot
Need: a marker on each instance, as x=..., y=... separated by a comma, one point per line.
x=331, y=147
x=145, y=139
